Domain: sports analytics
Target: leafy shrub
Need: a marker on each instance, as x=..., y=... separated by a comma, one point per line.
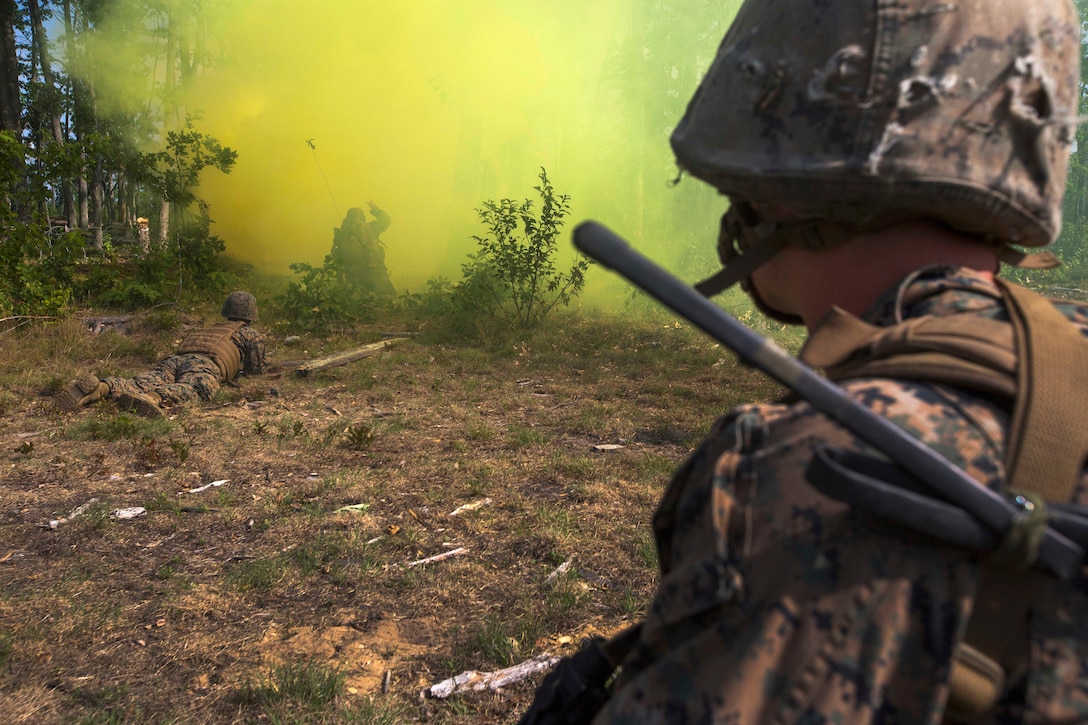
x=513, y=280
x=324, y=298
x=163, y=272
x=513, y=277
x=45, y=272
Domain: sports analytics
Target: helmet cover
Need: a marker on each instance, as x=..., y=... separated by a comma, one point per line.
x=962, y=112
x=240, y=306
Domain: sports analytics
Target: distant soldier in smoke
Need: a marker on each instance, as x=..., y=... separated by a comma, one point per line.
x=359, y=253
x=205, y=360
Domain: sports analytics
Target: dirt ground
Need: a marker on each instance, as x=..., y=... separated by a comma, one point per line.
x=291, y=568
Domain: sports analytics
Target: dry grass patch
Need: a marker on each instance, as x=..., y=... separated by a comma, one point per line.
x=288, y=593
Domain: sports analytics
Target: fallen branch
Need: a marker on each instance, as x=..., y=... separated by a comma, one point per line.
x=360, y=508
x=205, y=487
x=77, y=511
x=470, y=507
x=477, y=681
x=343, y=358
x=21, y=320
x=438, y=557
x=561, y=569
x=27, y=317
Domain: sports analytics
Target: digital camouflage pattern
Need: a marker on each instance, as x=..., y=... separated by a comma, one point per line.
x=778, y=605
x=191, y=377
x=849, y=111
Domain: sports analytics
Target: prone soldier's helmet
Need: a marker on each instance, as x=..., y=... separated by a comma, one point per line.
x=850, y=116
x=240, y=306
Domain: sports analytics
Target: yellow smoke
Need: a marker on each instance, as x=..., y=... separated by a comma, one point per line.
x=427, y=108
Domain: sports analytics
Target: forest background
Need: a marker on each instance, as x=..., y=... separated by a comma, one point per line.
x=244, y=131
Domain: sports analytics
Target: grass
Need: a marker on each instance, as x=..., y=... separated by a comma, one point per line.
x=107, y=425
x=293, y=691
x=258, y=575
x=262, y=570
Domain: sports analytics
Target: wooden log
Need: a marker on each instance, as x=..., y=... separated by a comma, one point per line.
x=343, y=358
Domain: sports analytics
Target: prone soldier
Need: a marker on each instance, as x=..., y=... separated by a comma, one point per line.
x=204, y=360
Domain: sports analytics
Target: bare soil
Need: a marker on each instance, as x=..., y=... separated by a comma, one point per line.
x=187, y=613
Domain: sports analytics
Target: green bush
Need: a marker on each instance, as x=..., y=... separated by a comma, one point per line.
x=513, y=277
x=324, y=298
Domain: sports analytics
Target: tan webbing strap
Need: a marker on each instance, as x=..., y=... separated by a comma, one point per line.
x=1048, y=436
x=1042, y=366
x=1028, y=260
x=1047, y=441
x=974, y=353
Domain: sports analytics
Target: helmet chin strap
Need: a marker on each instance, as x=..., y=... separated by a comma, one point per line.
x=746, y=241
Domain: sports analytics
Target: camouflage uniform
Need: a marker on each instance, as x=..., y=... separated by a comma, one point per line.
x=190, y=377
x=360, y=253
x=776, y=604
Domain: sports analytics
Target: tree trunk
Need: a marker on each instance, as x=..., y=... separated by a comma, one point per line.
x=70, y=207
x=122, y=204
x=46, y=59
x=84, y=198
x=79, y=120
x=164, y=223
x=638, y=33
x=96, y=205
x=10, y=107
x=169, y=115
x=170, y=103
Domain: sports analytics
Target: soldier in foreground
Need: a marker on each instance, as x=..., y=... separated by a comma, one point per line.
x=881, y=160
x=205, y=360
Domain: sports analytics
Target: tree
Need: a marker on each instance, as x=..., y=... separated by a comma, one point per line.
x=1072, y=245
x=10, y=106
x=100, y=169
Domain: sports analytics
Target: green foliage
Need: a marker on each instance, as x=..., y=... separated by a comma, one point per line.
x=359, y=437
x=258, y=575
x=36, y=268
x=7, y=649
x=175, y=171
x=44, y=271
x=163, y=272
x=503, y=643
x=325, y=298
x=513, y=280
x=310, y=685
x=115, y=427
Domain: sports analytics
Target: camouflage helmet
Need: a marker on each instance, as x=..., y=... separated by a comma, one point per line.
x=861, y=114
x=240, y=306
